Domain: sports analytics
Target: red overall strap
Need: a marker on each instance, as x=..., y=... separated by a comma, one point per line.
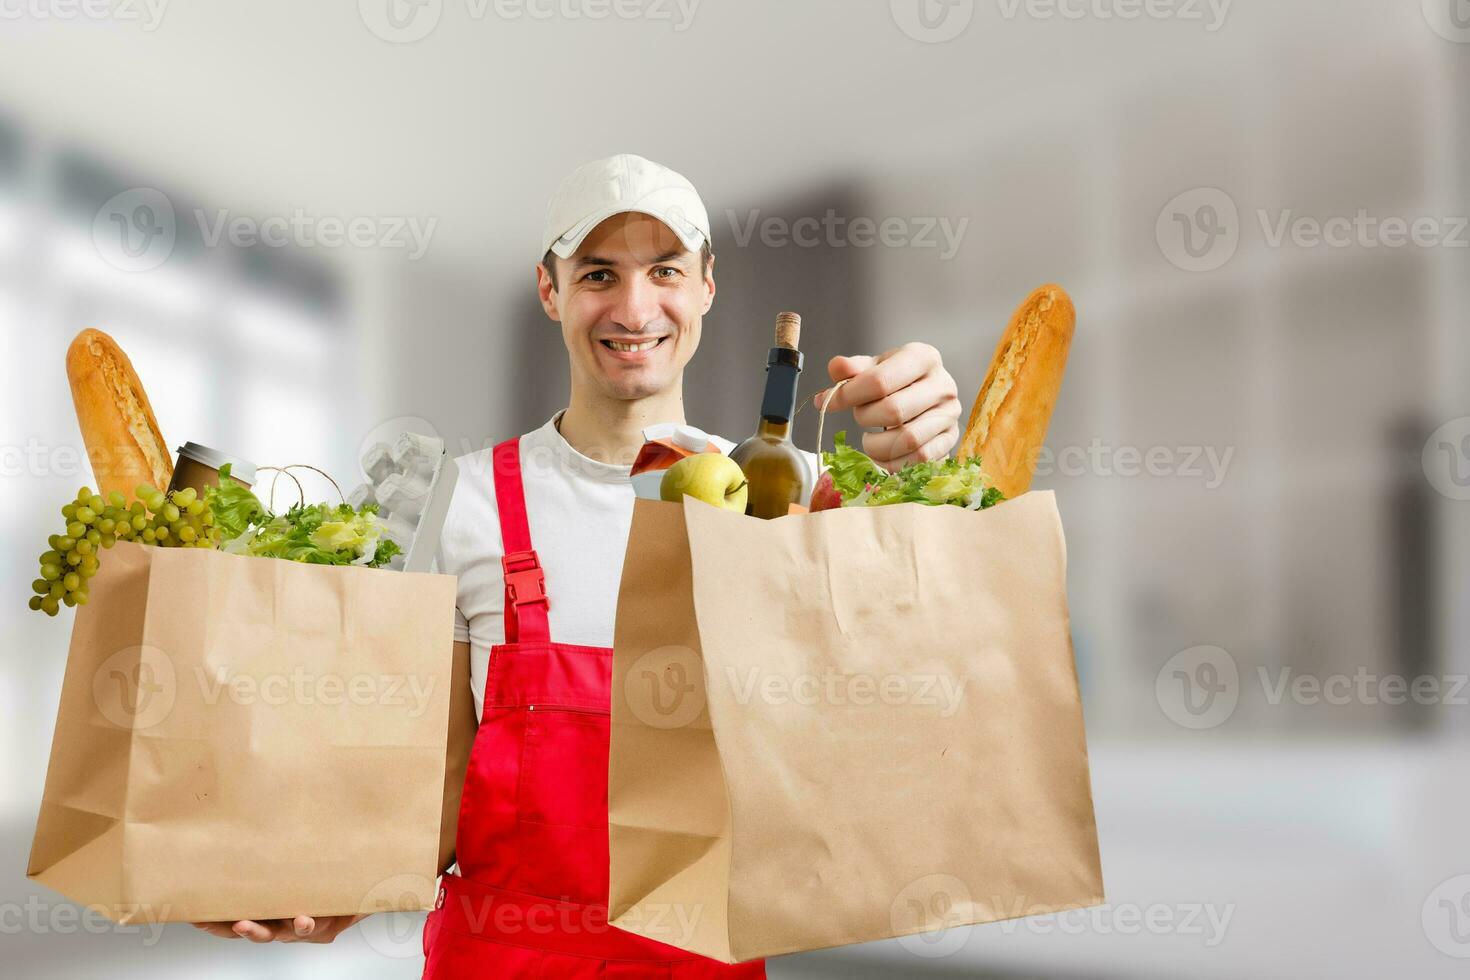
x=525, y=582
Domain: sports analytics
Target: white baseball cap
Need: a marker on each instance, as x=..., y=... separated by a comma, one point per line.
x=598, y=190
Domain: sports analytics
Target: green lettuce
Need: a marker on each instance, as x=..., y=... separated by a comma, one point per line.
x=234, y=507
x=863, y=483
x=318, y=534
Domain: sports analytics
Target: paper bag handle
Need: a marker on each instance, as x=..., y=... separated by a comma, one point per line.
x=822, y=418
x=300, y=491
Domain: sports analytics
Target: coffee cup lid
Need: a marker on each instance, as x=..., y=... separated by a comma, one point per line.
x=241, y=469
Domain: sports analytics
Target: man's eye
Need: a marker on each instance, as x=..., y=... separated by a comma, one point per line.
x=598, y=275
x=665, y=272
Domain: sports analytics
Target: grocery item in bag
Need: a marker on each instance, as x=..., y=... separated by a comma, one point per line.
x=124, y=444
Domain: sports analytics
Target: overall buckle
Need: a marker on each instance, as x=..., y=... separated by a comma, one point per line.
x=525, y=582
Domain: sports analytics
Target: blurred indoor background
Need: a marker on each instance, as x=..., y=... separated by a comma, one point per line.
x=1261, y=452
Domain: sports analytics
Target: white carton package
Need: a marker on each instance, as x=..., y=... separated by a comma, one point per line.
x=416, y=455
x=362, y=496
x=377, y=462
x=412, y=483
x=687, y=437
x=404, y=494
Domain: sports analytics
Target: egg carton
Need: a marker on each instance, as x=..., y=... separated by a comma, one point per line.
x=412, y=482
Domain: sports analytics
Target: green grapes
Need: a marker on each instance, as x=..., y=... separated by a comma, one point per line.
x=176, y=519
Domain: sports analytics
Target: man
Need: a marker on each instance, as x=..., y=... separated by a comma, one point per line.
x=536, y=535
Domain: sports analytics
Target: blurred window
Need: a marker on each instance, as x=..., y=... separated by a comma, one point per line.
x=238, y=342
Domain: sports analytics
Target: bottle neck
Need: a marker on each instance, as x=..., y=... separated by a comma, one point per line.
x=783, y=370
x=775, y=429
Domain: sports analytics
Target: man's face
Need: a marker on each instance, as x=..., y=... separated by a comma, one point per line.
x=630, y=303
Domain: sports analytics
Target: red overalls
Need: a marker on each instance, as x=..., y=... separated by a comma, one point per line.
x=531, y=897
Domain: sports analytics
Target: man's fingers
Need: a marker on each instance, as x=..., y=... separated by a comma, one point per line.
x=933, y=391
x=873, y=379
x=842, y=368
x=847, y=366
x=222, y=930
x=256, y=932
x=891, y=446
x=328, y=928
x=933, y=449
x=300, y=929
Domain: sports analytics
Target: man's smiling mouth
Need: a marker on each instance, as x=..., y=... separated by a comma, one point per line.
x=632, y=348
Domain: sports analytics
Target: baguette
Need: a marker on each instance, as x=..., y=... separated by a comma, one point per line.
x=1008, y=423
x=122, y=437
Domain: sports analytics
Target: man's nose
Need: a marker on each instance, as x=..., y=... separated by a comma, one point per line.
x=637, y=305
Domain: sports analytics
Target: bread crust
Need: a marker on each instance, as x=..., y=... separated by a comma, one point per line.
x=1008, y=423
x=123, y=441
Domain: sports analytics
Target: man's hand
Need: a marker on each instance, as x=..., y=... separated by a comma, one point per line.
x=908, y=393
x=302, y=929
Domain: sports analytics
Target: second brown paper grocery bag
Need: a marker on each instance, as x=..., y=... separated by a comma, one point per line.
x=845, y=726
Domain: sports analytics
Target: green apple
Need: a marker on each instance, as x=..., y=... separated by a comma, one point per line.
x=712, y=477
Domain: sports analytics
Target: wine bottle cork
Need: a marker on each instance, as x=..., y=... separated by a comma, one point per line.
x=788, y=330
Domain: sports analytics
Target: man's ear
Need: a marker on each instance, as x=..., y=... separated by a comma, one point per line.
x=547, y=291
x=709, y=284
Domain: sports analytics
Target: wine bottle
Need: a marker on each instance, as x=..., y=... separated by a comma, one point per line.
x=776, y=471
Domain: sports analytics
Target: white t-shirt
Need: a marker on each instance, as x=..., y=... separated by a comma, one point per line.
x=579, y=510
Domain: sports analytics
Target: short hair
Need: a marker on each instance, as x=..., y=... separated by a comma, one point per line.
x=706, y=256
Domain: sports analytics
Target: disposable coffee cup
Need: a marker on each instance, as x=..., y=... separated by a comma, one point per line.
x=198, y=467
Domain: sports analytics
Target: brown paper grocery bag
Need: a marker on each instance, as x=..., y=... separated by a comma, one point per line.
x=463, y=724
x=844, y=726
x=248, y=738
